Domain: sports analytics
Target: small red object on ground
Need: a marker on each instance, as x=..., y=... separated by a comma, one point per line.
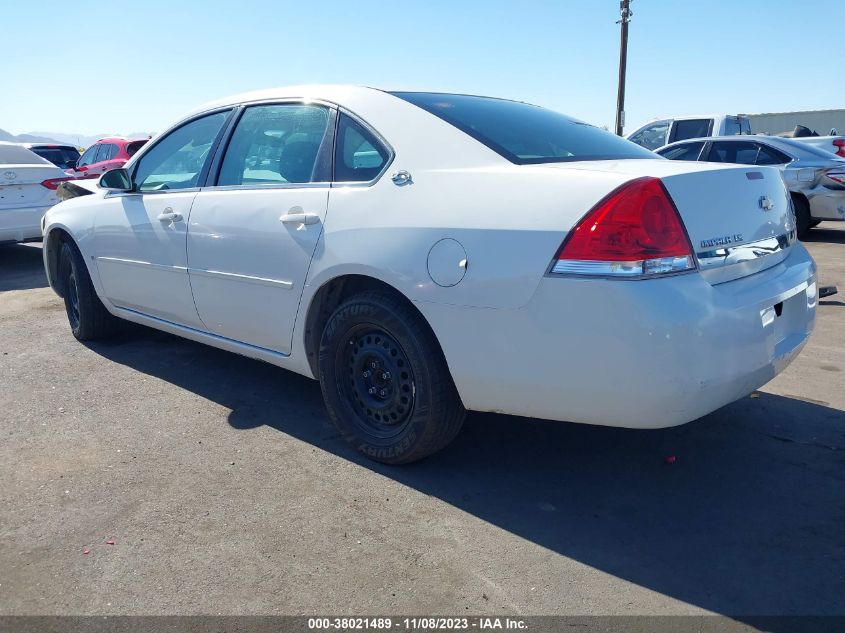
x=86, y=551
x=109, y=542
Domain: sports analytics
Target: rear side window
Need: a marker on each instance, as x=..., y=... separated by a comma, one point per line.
x=359, y=156
x=770, y=156
x=737, y=125
x=685, y=151
x=276, y=144
x=522, y=133
x=692, y=128
x=107, y=152
x=133, y=147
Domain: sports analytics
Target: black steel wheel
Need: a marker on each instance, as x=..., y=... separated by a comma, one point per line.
x=385, y=382
x=86, y=314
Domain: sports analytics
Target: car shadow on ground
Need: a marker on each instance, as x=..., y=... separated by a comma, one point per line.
x=748, y=519
x=22, y=267
x=826, y=234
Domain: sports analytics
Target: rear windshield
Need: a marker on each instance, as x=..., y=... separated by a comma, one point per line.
x=64, y=157
x=523, y=133
x=134, y=146
x=18, y=155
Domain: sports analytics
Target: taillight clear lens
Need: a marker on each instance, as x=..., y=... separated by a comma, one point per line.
x=53, y=183
x=636, y=231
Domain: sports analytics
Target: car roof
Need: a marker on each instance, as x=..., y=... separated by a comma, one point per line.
x=121, y=139
x=48, y=145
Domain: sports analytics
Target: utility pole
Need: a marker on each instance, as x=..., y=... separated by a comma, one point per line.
x=625, y=10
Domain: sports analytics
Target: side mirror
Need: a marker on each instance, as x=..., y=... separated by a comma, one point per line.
x=116, y=180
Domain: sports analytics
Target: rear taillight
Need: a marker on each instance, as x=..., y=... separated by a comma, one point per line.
x=840, y=147
x=53, y=183
x=636, y=231
x=836, y=174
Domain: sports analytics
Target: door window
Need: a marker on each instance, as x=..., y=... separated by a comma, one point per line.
x=691, y=128
x=106, y=152
x=175, y=162
x=770, y=156
x=743, y=153
x=684, y=151
x=88, y=157
x=651, y=136
x=359, y=156
x=276, y=144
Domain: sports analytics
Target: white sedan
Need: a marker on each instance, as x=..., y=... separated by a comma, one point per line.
x=28, y=186
x=423, y=254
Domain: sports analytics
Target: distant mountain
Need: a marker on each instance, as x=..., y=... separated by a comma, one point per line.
x=84, y=140
x=36, y=137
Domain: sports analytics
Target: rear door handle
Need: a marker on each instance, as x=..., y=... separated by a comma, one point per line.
x=300, y=218
x=169, y=216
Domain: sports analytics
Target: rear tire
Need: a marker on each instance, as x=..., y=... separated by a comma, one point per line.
x=88, y=317
x=385, y=382
x=803, y=220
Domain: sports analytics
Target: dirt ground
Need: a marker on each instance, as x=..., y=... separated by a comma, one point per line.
x=225, y=491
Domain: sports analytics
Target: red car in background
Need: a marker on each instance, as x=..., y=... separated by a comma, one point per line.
x=106, y=154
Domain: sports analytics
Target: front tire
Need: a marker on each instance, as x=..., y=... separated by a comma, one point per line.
x=86, y=314
x=385, y=382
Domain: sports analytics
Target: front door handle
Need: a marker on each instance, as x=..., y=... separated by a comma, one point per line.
x=169, y=216
x=300, y=218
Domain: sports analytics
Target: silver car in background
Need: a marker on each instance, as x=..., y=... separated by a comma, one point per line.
x=814, y=177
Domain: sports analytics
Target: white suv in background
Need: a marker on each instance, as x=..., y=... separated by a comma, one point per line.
x=661, y=132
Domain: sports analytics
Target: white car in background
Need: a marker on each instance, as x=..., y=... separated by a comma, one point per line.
x=659, y=132
x=814, y=177
x=422, y=254
x=28, y=186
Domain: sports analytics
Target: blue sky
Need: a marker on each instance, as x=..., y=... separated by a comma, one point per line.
x=125, y=67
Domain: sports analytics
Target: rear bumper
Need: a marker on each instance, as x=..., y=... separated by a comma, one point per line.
x=17, y=225
x=639, y=354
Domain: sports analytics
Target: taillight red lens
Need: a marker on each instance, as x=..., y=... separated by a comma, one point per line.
x=840, y=147
x=53, y=183
x=634, y=231
x=836, y=175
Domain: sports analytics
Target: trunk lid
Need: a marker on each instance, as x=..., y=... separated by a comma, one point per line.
x=738, y=218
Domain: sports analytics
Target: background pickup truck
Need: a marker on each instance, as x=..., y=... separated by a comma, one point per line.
x=661, y=132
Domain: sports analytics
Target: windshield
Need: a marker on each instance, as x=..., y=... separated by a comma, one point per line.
x=523, y=133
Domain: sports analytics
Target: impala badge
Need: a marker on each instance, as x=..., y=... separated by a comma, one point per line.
x=765, y=203
x=9, y=175
x=722, y=240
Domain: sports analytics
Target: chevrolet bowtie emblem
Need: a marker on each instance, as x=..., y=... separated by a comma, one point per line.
x=9, y=175
x=766, y=204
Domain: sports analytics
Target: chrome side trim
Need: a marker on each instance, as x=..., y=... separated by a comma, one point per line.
x=136, y=262
x=217, y=274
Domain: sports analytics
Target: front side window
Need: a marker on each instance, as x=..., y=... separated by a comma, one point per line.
x=276, y=144
x=651, y=136
x=691, y=128
x=176, y=161
x=684, y=151
x=88, y=157
x=522, y=133
x=359, y=156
